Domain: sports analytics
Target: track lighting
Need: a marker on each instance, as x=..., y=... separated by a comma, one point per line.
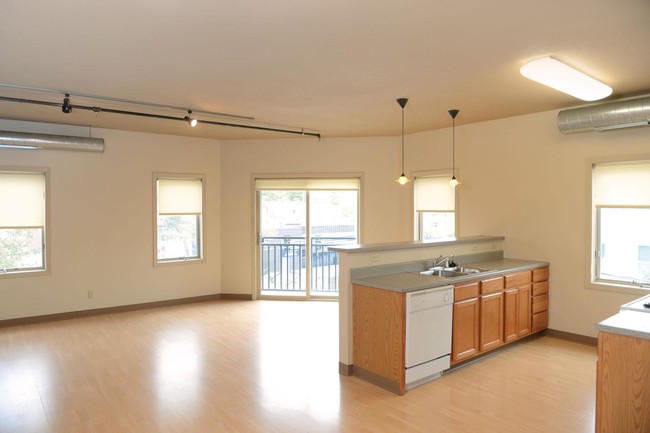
x=189, y=119
x=402, y=180
x=66, y=107
x=453, y=181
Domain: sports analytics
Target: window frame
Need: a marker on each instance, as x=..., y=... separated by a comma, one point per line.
x=201, y=218
x=592, y=280
x=45, y=235
x=417, y=215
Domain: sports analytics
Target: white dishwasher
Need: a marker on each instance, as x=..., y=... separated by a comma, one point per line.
x=428, y=333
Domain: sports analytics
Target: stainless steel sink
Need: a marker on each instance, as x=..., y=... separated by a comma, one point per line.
x=451, y=273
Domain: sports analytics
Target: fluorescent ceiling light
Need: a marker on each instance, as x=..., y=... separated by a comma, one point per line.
x=564, y=78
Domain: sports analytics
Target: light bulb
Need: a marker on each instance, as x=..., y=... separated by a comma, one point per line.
x=454, y=182
x=403, y=180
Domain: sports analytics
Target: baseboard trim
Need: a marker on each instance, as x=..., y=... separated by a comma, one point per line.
x=236, y=297
x=576, y=338
x=345, y=369
x=375, y=379
x=121, y=309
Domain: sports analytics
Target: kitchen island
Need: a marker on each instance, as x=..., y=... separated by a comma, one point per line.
x=623, y=372
x=395, y=268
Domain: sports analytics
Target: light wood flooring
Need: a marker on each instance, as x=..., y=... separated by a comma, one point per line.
x=267, y=366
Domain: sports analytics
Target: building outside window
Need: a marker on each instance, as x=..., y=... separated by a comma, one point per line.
x=22, y=222
x=621, y=229
x=179, y=218
x=435, y=208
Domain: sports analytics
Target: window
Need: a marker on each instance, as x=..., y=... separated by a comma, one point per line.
x=298, y=221
x=621, y=231
x=22, y=222
x=179, y=218
x=435, y=208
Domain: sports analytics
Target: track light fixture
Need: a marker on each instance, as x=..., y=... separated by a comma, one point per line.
x=402, y=180
x=189, y=119
x=453, y=181
x=66, y=107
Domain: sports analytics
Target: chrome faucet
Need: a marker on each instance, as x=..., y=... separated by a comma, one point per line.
x=444, y=262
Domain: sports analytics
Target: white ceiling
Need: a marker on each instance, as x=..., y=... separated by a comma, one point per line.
x=334, y=67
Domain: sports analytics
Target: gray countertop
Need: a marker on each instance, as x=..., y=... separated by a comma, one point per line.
x=629, y=323
x=633, y=320
x=412, y=281
x=365, y=248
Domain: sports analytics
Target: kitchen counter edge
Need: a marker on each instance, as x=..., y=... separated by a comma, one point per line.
x=405, y=282
x=628, y=323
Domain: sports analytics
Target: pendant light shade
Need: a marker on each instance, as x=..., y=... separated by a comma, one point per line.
x=453, y=181
x=402, y=180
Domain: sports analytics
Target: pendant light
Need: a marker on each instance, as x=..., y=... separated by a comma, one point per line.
x=402, y=180
x=453, y=182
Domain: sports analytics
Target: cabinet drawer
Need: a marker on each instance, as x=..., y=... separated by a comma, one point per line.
x=540, y=303
x=540, y=288
x=540, y=321
x=466, y=291
x=540, y=275
x=514, y=280
x=492, y=285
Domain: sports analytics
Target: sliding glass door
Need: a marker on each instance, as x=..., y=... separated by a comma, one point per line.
x=298, y=220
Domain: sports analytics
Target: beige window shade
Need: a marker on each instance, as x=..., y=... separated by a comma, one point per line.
x=22, y=200
x=622, y=184
x=180, y=196
x=322, y=184
x=434, y=194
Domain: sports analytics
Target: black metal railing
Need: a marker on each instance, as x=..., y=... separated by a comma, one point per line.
x=284, y=260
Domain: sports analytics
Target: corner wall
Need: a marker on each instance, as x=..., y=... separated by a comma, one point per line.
x=101, y=223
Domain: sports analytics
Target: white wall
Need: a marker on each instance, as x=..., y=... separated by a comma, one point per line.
x=101, y=223
x=521, y=179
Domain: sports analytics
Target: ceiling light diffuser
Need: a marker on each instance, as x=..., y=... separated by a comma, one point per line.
x=555, y=74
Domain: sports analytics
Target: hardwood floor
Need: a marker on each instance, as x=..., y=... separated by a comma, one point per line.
x=267, y=366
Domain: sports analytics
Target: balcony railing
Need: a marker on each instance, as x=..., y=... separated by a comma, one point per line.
x=284, y=260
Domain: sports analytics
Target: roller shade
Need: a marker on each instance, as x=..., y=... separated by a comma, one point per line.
x=622, y=184
x=434, y=194
x=180, y=196
x=305, y=183
x=22, y=200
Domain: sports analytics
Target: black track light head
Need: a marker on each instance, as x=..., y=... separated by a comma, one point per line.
x=189, y=119
x=66, y=107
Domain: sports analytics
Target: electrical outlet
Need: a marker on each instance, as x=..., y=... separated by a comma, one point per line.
x=91, y=294
x=374, y=258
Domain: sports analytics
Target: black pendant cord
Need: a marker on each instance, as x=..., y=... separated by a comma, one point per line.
x=157, y=116
x=453, y=114
x=402, y=140
x=453, y=146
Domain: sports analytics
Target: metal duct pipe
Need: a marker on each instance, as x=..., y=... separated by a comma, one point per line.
x=23, y=140
x=627, y=113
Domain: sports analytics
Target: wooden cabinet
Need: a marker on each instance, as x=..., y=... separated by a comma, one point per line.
x=379, y=333
x=491, y=305
x=539, y=299
x=622, y=378
x=492, y=312
x=465, y=338
x=517, y=305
